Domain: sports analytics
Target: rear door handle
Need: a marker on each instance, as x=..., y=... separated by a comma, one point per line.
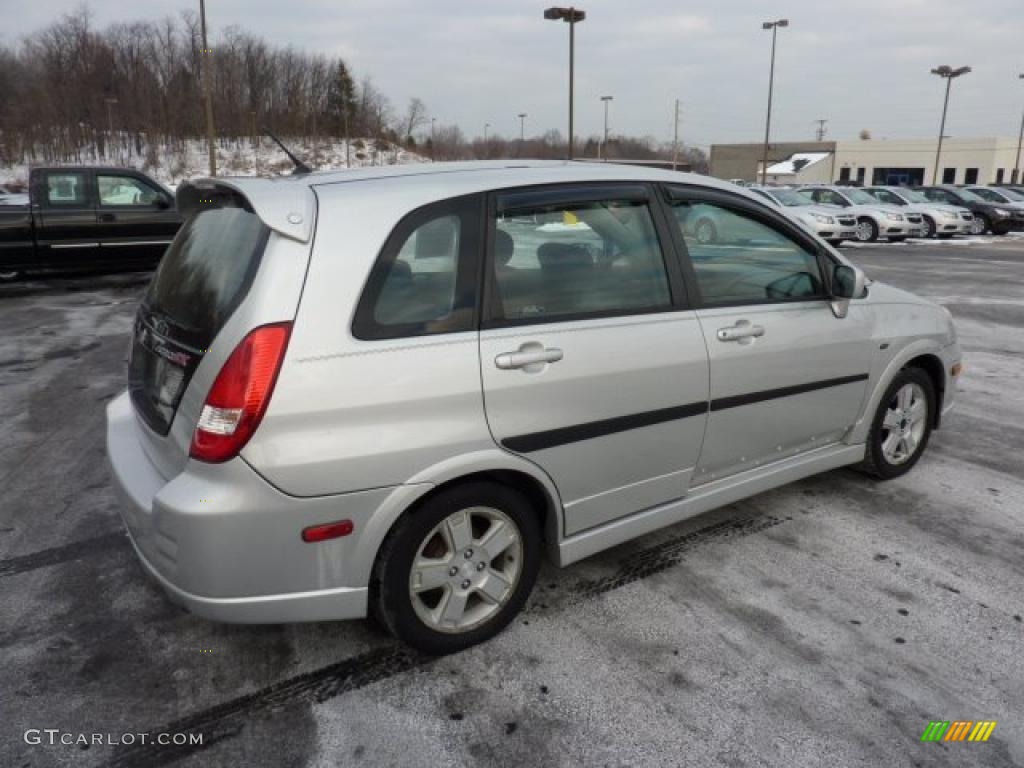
x=742, y=330
x=108, y=217
x=531, y=354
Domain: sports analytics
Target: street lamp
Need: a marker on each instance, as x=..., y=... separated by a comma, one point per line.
x=522, y=129
x=486, y=127
x=774, y=27
x=571, y=16
x=947, y=73
x=605, y=99
x=433, y=122
x=1020, y=141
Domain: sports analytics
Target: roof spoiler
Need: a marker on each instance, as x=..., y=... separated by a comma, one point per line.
x=287, y=208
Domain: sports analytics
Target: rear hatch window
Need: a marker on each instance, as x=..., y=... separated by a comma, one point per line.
x=203, y=277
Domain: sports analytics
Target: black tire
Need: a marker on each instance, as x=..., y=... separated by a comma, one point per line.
x=944, y=236
x=707, y=226
x=986, y=223
x=1000, y=232
x=929, y=227
x=875, y=462
x=872, y=229
x=897, y=239
x=389, y=595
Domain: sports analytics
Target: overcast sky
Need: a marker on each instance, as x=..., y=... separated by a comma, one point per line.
x=858, y=63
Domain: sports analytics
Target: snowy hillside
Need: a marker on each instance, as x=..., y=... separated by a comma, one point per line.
x=173, y=164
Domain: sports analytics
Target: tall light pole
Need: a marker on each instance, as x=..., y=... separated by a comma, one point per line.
x=487, y=127
x=675, y=138
x=948, y=74
x=522, y=128
x=433, y=150
x=571, y=16
x=206, y=88
x=1015, y=176
x=605, y=99
x=774, y=27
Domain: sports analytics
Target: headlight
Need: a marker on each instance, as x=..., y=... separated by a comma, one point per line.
x=1001, y=212
x=894, y=216
x=823, y=219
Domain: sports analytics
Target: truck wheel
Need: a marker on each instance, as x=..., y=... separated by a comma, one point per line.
x=867, y=231
x=902, y=425
x=457, y=569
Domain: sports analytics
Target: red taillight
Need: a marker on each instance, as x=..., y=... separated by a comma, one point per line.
x=240, y=394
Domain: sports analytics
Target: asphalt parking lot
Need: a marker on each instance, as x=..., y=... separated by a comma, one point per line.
x=823, y=623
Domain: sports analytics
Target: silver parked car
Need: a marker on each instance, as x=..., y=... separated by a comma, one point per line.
x=829, y=222
x=874, y=219
x=397, y=389
x=938, y=220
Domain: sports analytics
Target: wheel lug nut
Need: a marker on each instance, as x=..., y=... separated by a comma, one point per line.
x=453, y=571
x=480, y=566
x=465, y=584
x=468, y=553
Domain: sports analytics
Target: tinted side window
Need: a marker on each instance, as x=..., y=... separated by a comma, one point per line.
x=66, y=189
x=738, y=260
x=595, y=258
x=424, y=281
x=124, y=190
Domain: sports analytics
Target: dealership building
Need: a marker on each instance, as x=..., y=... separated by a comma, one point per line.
x=870, y=161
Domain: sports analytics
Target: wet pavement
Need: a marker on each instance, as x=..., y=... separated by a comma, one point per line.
x=825, y=622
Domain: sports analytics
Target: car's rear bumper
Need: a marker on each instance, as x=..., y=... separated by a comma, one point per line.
x=227, y=545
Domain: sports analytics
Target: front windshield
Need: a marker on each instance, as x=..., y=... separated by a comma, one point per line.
x=914, y=196
x=1009, y=194
x=790, y=198
x=966, y=194
x=860, y=197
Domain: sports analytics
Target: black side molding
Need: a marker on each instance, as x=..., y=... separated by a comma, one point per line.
x=552, y=438
x=770, y=394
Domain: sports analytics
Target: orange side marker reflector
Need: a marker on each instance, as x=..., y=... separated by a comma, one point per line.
x=328, y=531
x=956, y=370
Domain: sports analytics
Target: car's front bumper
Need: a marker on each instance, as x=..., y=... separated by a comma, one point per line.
x=226, y=545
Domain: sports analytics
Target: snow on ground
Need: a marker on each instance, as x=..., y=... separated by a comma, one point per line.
x=172, y=164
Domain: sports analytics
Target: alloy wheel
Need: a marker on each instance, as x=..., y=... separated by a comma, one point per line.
x=865, y=231
x=977, y=226
x=904, y=424
x=466, y=569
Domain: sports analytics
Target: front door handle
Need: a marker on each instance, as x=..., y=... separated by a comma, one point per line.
x=743, y=330
x=108, y=217
x=530, y=356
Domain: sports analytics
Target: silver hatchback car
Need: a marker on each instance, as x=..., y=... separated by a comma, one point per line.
x=396, y=390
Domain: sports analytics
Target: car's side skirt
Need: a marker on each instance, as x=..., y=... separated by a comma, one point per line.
x=707, y=497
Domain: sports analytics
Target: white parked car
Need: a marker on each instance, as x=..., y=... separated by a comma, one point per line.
x=874, y=219
x=398, y=389
x=938, y=220
x=829, y=222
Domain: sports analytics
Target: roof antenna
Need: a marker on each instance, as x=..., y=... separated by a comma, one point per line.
x=300, y=167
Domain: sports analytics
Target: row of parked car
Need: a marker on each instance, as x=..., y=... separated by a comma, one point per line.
x=867, y=214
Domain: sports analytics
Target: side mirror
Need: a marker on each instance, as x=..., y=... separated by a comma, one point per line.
x=163, y=203
x=847, y=283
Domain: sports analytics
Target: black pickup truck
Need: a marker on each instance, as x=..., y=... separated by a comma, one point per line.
x=78, y=218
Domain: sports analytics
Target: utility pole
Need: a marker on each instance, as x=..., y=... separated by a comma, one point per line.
x=819, y=134
x=433, y=150
x=207, y=59
x=605, y=99
x=948, y=74
x=774, y=27
x=110, y=120
x=1015, y=176
x=675, y=138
